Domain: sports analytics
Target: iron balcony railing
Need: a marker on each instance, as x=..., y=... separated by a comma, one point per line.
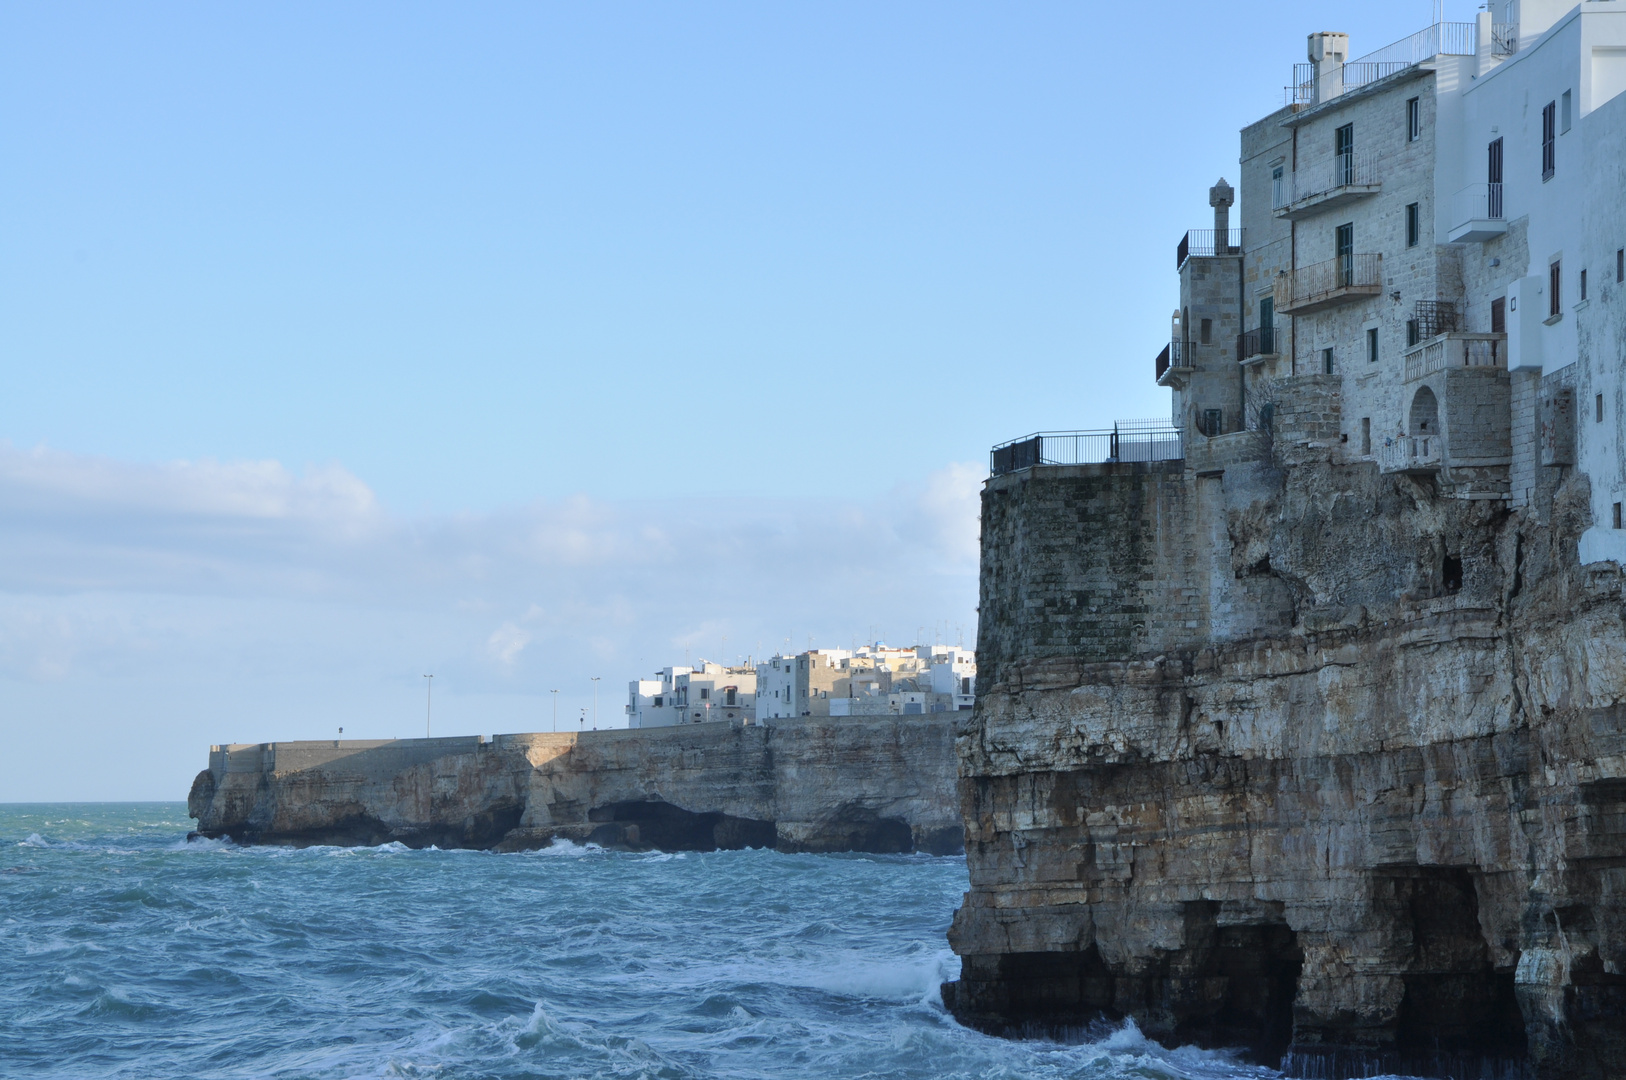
x=1179, y=354
x=1325, y=177
x=1127, y=440
x=1206, y=243
x=1328, y=282
x=1441, y=39
x=1436, y=317
x=1257, y=342
x=1477, y=202
x=1504, y=39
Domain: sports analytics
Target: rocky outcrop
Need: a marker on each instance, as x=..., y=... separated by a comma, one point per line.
x=1299, y=758
x=877, y=785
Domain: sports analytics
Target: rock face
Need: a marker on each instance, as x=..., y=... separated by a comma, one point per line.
x=877, y=785
x=1292, y=756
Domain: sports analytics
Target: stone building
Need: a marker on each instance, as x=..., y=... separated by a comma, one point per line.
x=869, y=681
x=685, y=695
x=1312, y=740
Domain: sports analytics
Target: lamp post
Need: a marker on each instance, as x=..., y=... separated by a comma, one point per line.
x=555, y=694
x=428, y=702
x=595, y=702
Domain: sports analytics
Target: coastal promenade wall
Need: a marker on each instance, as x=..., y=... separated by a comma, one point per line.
x=879, y=784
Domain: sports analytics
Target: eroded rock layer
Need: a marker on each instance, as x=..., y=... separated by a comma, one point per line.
x=1288, y=755
x=876, y=785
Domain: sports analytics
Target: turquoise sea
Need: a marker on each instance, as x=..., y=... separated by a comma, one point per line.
x=126, y=951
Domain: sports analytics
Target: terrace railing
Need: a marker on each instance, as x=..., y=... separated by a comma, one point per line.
x=1407, y=453
x=1260, y=341
x=1441, y=39
x=1477, y=202
x=1127, y=440
x=1326, y=176
x=1456, y=350
x=1206, y=243
x=1326, y=283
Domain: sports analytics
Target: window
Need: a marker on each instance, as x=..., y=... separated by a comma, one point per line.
x=1366, y=434
x=705, y=694
x=1267, y=326
x=1277, y=192
x=1326, y=361
x=1344, y=148
x=1620, y=265
x=1499, y=315
x=1617, y=515
x=1411, y=225
x=657, y=701
x=1555, y=287
x=1346, y=254
x=1372, y=345
x=1600, y=408
x=1582, y=283
x=1212, y=422
x=1411, y=332
x=1207, y=330
x=1493, y=178
x=1564, y=112
x=1548, y=159
x=1414, y=119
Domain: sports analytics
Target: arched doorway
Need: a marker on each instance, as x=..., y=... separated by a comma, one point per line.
x=1425, y=414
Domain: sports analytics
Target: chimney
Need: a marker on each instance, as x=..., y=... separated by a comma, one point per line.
x=1328, y=51
x=1220, y=197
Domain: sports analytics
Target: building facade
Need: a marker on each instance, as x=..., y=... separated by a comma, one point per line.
x=686, y=695
x=873, y=680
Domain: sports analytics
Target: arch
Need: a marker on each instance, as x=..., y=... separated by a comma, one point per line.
x=1424, y=418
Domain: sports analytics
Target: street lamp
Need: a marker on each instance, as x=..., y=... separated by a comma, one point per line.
x=595, y=702
x=428, y=703
x=555, y=694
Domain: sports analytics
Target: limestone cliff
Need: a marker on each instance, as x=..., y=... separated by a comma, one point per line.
x=878, y=785
x=1273, y=751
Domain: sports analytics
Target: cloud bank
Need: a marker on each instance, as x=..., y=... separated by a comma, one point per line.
x=148, y=610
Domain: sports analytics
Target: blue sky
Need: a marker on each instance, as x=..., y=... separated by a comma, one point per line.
x=528, y=342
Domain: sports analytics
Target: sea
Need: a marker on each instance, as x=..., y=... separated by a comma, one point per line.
x=127, y=950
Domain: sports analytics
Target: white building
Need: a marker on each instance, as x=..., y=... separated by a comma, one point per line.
x=1436, y=229
x=684, y=695
x=871, y=681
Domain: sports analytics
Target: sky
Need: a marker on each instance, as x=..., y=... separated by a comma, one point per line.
x=521, y=343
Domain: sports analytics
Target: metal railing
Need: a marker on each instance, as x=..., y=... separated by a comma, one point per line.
x=1326, y=176
x=1476, y=202
x=1504, y=39
x=1206, y=243
x=1456, y=350
x=1319, y=282
x=1163, y=363
x=1441, y=39
x=1260, y=341
x=1401, y=453
x=1436, y=317
x=1126, y=440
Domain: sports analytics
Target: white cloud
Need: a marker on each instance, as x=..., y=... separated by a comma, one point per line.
x=283, y=605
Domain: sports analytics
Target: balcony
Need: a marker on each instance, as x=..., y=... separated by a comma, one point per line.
x=1328, y=184
x=1476, y=214
x=1411, y=454
x=1258, y=344
x=1441, y=39
x=1456, y=350
x=1343, y=280
x=1125, y=441
x=1175, y=362
x=1206, y=243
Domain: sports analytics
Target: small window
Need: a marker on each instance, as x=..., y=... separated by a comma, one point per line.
x=1277, y=188
x=1499, y=315
x=1326, y=361
x=1366, y=434
x=1207, y=330
x=1617, y=515
x=1411, y=224
x=1564, y=112
x=1213, y=422
x=1414, y=119
x=1620, y=265
x=1599, y=405
x=657, y=701
x=1582, y=283
x=1555, y=289
x=1549, y=122
x=705, y=694
x=1411, y=332
x=1372, y=345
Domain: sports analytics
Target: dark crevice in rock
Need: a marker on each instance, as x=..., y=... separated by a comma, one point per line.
x=660, y=825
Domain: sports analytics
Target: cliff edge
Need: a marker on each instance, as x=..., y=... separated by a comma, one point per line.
x=877, y=785
x=1272, y=750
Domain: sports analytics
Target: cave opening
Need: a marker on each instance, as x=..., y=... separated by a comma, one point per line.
x=656, y=824
x=1451, y=573
x=1459, y=1015
x=1233, y=984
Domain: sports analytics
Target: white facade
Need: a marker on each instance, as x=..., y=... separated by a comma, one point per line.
x=874, y=680
x=684, y=695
